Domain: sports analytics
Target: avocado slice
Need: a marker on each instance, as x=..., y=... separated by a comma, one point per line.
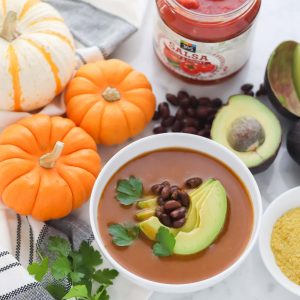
x=212, y=212
x=151, y=226
x=250, y=130
x=282, y=79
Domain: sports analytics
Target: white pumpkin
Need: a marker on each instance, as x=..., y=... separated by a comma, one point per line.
x=37, y=54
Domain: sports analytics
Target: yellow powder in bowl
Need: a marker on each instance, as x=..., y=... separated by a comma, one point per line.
x=285, y=243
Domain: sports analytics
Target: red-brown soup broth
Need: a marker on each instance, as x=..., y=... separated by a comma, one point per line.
x=177, y=165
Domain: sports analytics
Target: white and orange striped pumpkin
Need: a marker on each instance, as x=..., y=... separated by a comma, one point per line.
x=37, y=54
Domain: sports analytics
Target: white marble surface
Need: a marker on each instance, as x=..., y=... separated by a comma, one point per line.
x=278, y=21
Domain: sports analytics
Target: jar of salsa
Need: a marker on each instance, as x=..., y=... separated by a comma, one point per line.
x=205, y=40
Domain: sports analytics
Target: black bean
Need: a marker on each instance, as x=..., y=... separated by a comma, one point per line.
x=179, y=223
x=160, y=201
x=164, y=110
x=180, y=114
x=247, y=87
x=175, y=195
x=190, y=130
x=166, y=220
x=156, y=116
x=193, y=182
x=178, y=213
x=193, y=102
x=159, y=211
x=204, y=101
x=250, y=94
x=171, y=205
x=204, y=133
x=190, y=122
x=156, y=189
x=168, y=122
x=159, y=129
x=210, y=119
x=184, y=198
x=166, y=183
x=203, y=112
x=182, y=94
x=174, y=188
x=177, y=126
x=172, y=99
x=184, y=102
x=216, y=103
x=166, y=192
x=191, y=112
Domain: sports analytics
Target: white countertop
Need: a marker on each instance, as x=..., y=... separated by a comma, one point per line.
x=278, y=21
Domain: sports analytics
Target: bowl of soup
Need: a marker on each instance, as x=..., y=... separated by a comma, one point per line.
x=175, y=213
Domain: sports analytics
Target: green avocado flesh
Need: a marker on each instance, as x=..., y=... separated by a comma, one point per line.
x=296, y=71
x=249, y=129
x=205, y=219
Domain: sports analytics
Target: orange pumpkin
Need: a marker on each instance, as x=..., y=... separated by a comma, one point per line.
x=110, y=100
x=47, y=166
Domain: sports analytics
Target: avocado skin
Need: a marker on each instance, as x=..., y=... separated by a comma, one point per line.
x=266, y=164
x=276, y=103
x=293, y=142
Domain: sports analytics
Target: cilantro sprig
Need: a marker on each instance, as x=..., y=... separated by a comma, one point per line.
x=78, y=267
x=165, y=243
x=124, y=235
x=129, y=191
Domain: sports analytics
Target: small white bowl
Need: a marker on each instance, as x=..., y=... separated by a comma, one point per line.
x=183, y=141
x=282, y=204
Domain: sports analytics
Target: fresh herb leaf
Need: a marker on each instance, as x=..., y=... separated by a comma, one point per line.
x=39, y=270
x=129, y=191
x=123, y=235
x=59, y=246
x=90, y=257
x=61, y=268
x=165, y=242
x=102, y=294
x=77, y=291
x=105, y=276
x=57, y=291
x=76, y=277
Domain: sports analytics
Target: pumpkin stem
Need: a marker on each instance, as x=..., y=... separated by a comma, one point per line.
x=111, y=94
x=9, y=28
x=48, y=160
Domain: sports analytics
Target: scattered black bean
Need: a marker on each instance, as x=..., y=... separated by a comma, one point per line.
x=204, y=133
x=250, y=93
x=182, y=94
x=204, y=101
x=217, y=103
x=194, y=102
x=174, y=188
x=164, y=110
x=184, y=198
x=160, y=201
x=246, y=88
x=190, y=122
x=165, y=192
x=193, y=183
x=184, y=102
x=177, y=126
x=262, y=91
x=180, y=114
x=159, y=129
x=203, y=112
x=156, y=116
x=168, y=122
x=172, y=99
x=190, y=130
x=191, y=112
x=159, y=211
x=165, y=183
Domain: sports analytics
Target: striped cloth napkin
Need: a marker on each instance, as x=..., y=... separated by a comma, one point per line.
x=99, y=26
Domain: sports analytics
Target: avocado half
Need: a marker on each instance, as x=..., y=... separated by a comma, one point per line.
x=250, y=130
x=282, y=79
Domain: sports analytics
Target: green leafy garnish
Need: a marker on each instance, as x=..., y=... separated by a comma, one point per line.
x=123, y=235
x=40, y=269
x=165, y=242
x=77, y=267
x=129, y=191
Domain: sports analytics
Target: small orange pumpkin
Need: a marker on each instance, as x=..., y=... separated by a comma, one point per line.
x=110, y=100
x=47, y=166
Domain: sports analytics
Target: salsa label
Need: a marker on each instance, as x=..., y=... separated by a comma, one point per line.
x=198, y=60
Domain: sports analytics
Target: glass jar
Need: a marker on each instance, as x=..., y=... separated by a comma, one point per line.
x=204, y=47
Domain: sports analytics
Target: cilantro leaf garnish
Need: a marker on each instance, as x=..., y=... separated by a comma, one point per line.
x=79, y=267
x=129, y=191
x=40, y=269
x=123, y=235
x=165, y=242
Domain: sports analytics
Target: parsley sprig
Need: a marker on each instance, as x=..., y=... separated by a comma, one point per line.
x=129, y=191
x=124, y=235
x=78, y=267
x=165, y=242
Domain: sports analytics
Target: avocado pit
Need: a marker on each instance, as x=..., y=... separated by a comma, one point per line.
x=246, y=134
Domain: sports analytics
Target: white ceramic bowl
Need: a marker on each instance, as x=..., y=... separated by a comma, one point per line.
x=176, y=140
x=282, y=204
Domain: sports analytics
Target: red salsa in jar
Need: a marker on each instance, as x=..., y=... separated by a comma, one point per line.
x=205, y=40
